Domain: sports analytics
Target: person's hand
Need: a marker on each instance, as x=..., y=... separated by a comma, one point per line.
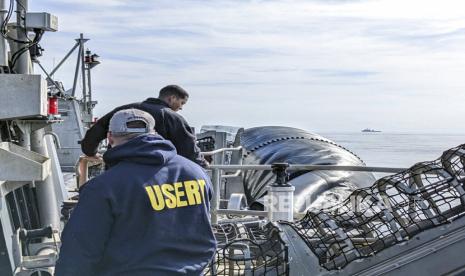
x=205, y=164
x=96, y=158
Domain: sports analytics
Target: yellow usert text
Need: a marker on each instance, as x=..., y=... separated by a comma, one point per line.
x=176, y=195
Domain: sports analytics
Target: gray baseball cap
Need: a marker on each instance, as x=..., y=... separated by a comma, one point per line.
x=119, y=121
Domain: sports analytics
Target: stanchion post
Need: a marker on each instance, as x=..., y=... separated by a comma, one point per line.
x=280, y=199
x=215, y=203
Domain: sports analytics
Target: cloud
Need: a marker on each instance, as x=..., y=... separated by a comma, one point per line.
x=272, y=55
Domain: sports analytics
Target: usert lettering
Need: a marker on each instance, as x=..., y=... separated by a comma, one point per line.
x=176, y=195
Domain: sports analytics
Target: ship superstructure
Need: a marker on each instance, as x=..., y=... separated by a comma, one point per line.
x=41, y=124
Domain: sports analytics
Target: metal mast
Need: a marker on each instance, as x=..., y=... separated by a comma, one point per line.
x=3, y=57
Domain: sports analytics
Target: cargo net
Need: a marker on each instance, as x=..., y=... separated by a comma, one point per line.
x=393, y=210
x=248, y=249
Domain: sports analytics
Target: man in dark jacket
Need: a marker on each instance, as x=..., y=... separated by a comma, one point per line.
x=148, y=214
x=170, y=125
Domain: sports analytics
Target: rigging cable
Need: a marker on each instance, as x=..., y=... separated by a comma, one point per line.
x=17, y=54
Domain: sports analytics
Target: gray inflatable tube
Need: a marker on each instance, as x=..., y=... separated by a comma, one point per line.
x=313, y=189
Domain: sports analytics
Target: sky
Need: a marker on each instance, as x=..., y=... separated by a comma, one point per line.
x=319, y=65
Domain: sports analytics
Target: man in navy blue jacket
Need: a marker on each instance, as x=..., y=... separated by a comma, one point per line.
x=147, y=215
x=170, y=125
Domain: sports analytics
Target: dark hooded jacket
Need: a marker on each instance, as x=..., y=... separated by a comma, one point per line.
x=169, y=124
x=147, y=215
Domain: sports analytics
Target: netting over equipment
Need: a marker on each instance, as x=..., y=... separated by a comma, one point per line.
x=393, y=210
x=249, y=249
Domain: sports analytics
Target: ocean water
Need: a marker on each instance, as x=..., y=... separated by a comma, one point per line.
x=403, y=150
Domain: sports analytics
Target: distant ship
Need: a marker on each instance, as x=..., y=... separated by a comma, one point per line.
x=370, y=130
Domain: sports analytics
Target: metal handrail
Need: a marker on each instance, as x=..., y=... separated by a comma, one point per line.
x=302, y=167
x=216, y=179
x=213, y=152
x=235, y=174
x=222, y=150
x=242, y=212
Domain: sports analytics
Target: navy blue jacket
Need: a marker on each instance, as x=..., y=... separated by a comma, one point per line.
x=147, y=215
x=169, y=124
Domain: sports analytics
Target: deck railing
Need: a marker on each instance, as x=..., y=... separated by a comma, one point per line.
x=217, y=175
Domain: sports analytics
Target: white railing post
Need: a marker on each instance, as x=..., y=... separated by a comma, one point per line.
x=215, y=203
x=279, y=201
